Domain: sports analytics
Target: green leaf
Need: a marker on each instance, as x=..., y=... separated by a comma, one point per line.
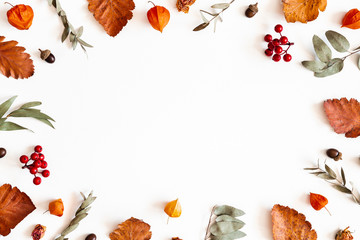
x=325, y=176
x=229, y=236
x=330, y=171
x=221, y=228
x=315, y=66
x=220, y=5
x=338, y=41
x=69, y=229
x=203, y=17
x=343, y=176
x=2, y=120
x=228, y=210
x=358, y=63
x=78, y=218
x=74, y=43
x=342, y=188
x=334, y=66
x=80, y=32
x=227, y=218
x=4, y=107
x=311, y=169
x=83, y=211
x=87, y=202
x=201, y=26
x=65, y=33
x=47, y=122
x=322, y=51
x=30, y=104
x=10, y=126
x=82, y=42
x=33, y=113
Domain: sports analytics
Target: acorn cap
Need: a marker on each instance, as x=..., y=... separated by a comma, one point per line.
x=253, y=7
x=44, y=54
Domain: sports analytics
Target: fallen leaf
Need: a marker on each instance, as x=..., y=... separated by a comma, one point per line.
x=14, y=207
x=173, y=209
x=302, y=10
x=344, y=116
x=131, y=229
x=14, y=62
x=289, y=224
x=112, y=15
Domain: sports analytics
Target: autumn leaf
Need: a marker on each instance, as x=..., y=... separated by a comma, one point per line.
x=14, y=62
x=302, y=10
x=344, y=116
x=112, y=15
x=14, y=207
x=289, y=224
x=173, y=209
x=131, y=229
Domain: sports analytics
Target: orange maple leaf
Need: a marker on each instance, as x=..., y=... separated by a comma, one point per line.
x=289, y=224
x=302, y=10
x=14, y=207
x=14, y=61
x=344, y=116
x=131, y=229
x=112, y=15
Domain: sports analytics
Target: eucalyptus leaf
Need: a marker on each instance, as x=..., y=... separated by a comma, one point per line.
x=78, y=218
x=50, y=2
x=2, y=120
x=229, y=236
x=69, y=229
x=315, y=66
x=227, y=218
x=203, y=17
x=74, y=44
x=80, y=32
x=343, y=176
x=315, y=168
x=221, y=228
x=4, y=107
x=82, y=42
x=60, y=238
x=337, y=41
x=342, y=188
x=220, y=5
x=30, y=105
x=334, y=66
x=358, y=62
x=87, y=202
x=318, y=172
x=10, y=126
x=228, y=210
x=85, y=210
x=65, y=33
x=47, y=122
x=72, y=37
x=325, y=176
x=33, y=113
x=330, y=171
x=201, y=26
x=322, y=50
x=58, y=6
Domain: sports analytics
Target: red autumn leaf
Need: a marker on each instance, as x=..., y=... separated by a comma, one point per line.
x=289, y=224
x=131, y=229
x=344, y=116
x=112, y=15
x=14, y=61
x=14, y=207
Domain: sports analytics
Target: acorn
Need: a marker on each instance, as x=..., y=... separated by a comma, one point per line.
x=251, y=10
x=47, y=56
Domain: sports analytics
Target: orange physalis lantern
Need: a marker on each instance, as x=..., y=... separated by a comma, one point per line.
x=20, y=16
x=158, y=17
x=318, y=201
x=352, y=19
x=56, y=207
x=173, y=209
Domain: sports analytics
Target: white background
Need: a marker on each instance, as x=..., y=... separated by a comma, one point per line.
x=207, y=118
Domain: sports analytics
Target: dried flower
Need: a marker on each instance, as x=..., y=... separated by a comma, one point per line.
x=344, y=235
x=38, y=232
x=158, y=17
x=20, y=16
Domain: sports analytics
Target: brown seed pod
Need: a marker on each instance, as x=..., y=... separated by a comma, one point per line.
x=251, y=10
x=344, y=235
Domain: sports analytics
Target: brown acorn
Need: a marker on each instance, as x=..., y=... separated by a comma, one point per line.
x=47, y=56
x=251, y=10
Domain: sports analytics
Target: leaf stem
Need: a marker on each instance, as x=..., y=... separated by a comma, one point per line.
x=208, y=226
x=351, y=53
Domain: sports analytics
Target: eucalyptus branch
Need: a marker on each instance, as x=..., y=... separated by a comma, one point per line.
x=215, y=16
x=207, y=234
x=80, y=214
x=330, y=176
x=69, y=30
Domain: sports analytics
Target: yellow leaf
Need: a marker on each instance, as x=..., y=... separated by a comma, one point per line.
x=173, y=209
x=302, y=10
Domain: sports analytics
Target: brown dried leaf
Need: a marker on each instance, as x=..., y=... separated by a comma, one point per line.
x=289, y=224
x=131, y=229
x=184, y=5
x=344, y=116
x=302, y=10
x=112, y=15
x=14, y=62
x=14, y=207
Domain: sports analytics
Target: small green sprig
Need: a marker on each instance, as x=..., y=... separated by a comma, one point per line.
x=80, y=214
x=215, y=16
x=328, y=65
x=69, y=30
x=26, y=110
x=330, y=176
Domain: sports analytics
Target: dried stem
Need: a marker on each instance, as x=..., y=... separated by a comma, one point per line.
x=210, y=220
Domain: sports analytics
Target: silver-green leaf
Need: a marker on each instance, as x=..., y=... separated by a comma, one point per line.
x=227, y=218
x=358, y=63
x=30, y=104
x=334, y=66
x=220, y=5
x=323, y=52
x=229, y=236
x=69, y=229
x=337, y=41
x=78, y=218
x=221, y=228
x=342, y=188
x=10, y=126
x=47, y=122
x=343, y=176
x=228, y=210
x=34, y=113
x=315, y=66
x=330, y=171
x=4, y=107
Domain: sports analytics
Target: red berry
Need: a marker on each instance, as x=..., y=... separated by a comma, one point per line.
x=287, y=57
x=37, y=180
x=44, y=164
x=270, y=46
x=278, y=28
x=278, y=49
x=276, y=42
x=33, y=170
x=24, y=159
x=38, y=148
x=268, y=52
x=34, y=156
x=276, y=57
x=268, y=38
x=41, y=156
x=284, y=40
x=45, y=173
x=37, y=163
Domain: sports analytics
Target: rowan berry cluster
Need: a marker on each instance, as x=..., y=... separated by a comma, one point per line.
x=275, y=48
